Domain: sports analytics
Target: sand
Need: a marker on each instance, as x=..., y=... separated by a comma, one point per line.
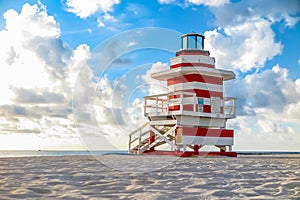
x=157, y=177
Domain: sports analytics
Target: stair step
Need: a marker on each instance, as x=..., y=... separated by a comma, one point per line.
x=160, y=143
x=144, y=141
x=133, y=152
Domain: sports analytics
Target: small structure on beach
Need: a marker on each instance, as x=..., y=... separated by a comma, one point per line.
x=194, y=112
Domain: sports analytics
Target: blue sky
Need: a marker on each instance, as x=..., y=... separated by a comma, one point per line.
x=73, y=73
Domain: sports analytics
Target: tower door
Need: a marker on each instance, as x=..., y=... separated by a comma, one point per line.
x=215, y=103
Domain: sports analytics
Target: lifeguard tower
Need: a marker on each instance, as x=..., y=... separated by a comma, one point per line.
x=194, y=112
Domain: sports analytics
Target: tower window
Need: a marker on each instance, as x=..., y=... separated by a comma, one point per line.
x=192, y=41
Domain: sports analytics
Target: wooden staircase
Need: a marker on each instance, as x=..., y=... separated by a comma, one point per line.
x=139, y=140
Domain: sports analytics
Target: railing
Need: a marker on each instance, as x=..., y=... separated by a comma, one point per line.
x=136, y=137
x=160, y=104
x=229, y=107
x=156, y=104
x=187, y=103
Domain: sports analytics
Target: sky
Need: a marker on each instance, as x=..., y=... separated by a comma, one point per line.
x=73, y=73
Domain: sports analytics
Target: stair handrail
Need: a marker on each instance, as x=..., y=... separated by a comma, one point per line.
x=138, y=130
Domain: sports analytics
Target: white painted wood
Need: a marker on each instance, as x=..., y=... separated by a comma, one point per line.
x=198, y=58
x=192, y=59
x=156, y=108
x=163, y=122
x=215, y=105
x=162, y=136
x=196, y=85
x=180, y=71
x=197, y=121
x=207, y=140
x=206, y=101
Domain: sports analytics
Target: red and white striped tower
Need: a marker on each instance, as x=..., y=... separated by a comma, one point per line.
x=194, y=112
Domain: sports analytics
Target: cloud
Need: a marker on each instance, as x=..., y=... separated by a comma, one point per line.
x=195, y=2
x=275, y=11
x=22, y=65
x=276, y=86
x=11, y=55
x=106, y=18
x=54, y=52
x=32, y=20
x=265, y=90
x=37, y=75
x=31, y=96
x=155, y=86
x=165, y=1
x=114, y=106
x=244, y=39
x=110, y=96
x=266, y=93
x=51, y=91
x=267, y=100
x=208, y=2
x=261, y=134
x=12, y=111
x=84, y=9
x=267, y=110
x=243, y=46
x=292, y=110
x=111, y=55
x=133, y=43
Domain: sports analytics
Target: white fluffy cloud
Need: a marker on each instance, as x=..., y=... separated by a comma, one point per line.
x=268, y=100
x=255, y=133
x=105, y=18
x=155, y=86
x=268, y=111
x=274, y=11
x=195, y=2
x=51, y=92
x=244, y=46
x=26, y=57
x=245, y=39
x=208, y=2
x=273, y=89
x=87, y=8
x=266, y=93
x=165, y=1
x=37, y=76
x=33, y=21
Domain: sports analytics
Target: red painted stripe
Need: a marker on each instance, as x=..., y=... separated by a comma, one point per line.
x=190, y=107
x=192, y=65
x=177, y=96
x=191, y=153
x=192, y=53
x=195, y=78
x=200, y=93
x=205, y=132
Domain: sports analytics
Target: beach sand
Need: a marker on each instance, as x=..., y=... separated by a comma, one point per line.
x=150, y=177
